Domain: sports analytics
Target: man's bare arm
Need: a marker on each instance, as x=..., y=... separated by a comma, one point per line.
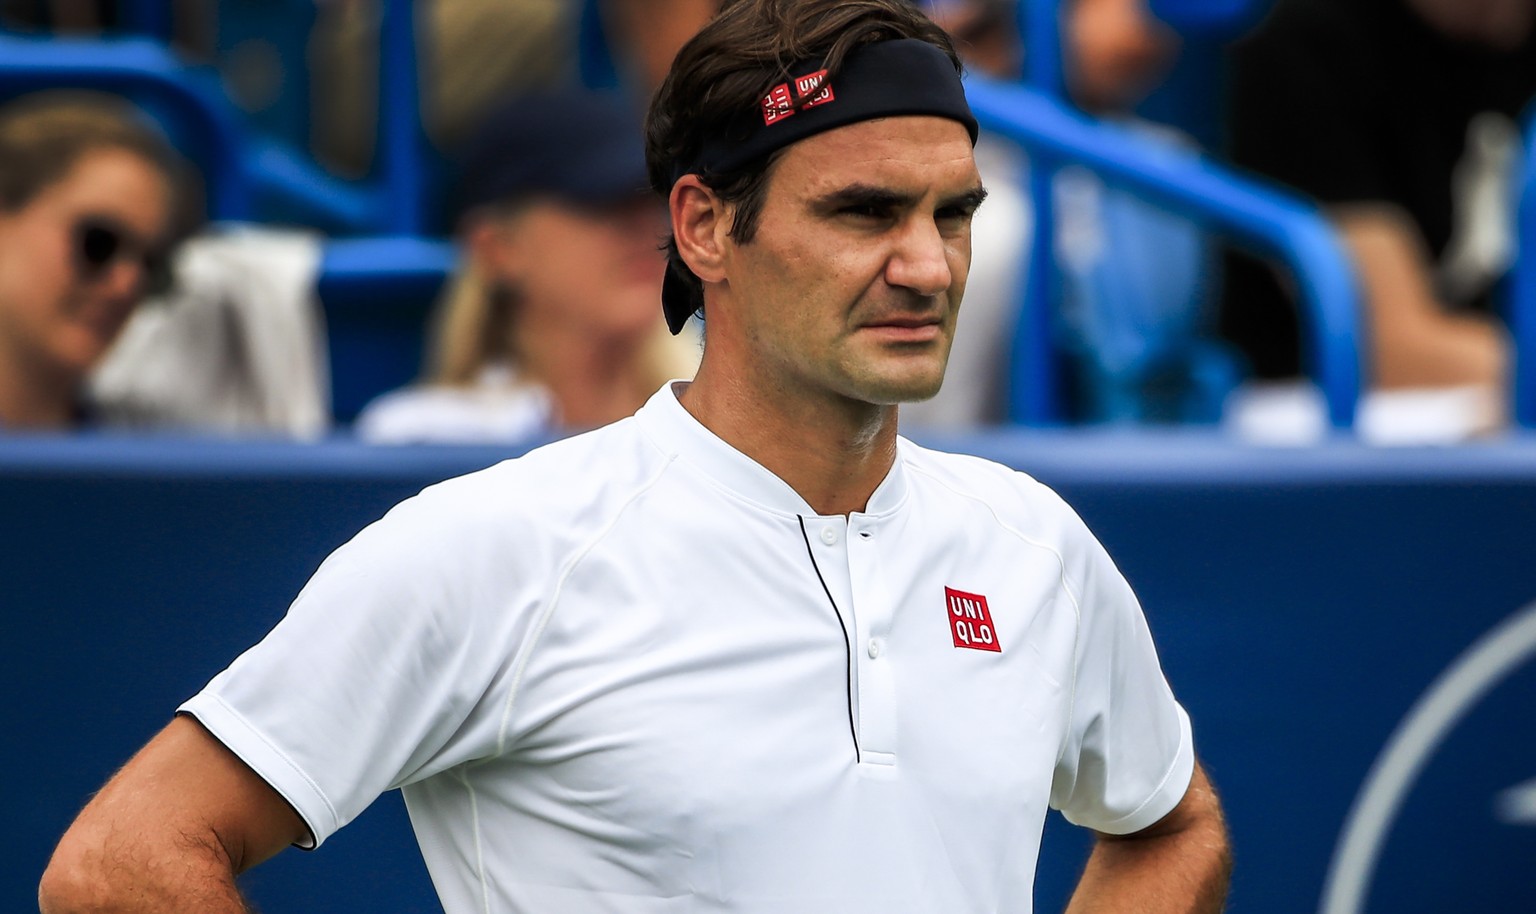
x=169, y=832
x=1179, y=865
x=1415, y=341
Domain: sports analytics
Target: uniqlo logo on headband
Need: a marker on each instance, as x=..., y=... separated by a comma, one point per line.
x=970, y=622
x=809, y=91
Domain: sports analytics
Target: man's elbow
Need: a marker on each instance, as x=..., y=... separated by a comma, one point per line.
x=74, y=882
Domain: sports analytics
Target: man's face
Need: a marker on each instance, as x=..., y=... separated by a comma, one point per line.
x=852, y=283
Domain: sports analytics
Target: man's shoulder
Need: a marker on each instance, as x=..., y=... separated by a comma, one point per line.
x=1015, y=496
x=560, y=488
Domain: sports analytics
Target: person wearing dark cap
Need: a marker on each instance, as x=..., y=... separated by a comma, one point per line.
x=550, y=323
x=748, y=650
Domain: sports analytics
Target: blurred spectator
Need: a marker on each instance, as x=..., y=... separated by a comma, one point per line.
x=88, y=201
x=473, y=52
x=470, y=53
x=1132, y=289
x=554, y=321
x=1398, y=116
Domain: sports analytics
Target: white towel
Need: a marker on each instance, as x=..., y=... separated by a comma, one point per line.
x=238, y=346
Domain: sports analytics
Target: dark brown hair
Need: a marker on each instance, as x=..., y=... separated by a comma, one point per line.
x=734, y=61
x=43, y=136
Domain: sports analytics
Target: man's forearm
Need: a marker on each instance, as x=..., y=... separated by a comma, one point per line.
x=1150, y=877
x=169, y=832
x=123, y=881
x=1181, y=865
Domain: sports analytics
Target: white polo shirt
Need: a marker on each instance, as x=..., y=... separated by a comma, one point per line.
x=633, y=671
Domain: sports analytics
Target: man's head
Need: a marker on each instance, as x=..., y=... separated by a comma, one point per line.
x=712, y=98
x=817, y=159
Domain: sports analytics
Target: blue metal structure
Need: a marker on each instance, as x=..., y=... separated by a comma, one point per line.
x=144, y=69
x=249, y=175
x=1055, y=133
x=1522, y=290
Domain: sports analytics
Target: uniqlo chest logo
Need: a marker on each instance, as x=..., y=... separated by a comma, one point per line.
x=809, y=91
x=970, y=621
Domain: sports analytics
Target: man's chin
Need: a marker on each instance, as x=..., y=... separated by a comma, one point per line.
x=896, y=391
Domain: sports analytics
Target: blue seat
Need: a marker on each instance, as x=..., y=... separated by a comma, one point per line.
x=376, y=293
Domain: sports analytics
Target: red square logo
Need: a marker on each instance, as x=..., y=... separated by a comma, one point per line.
x=970, y=621
x=777, y=104
x=814, y=89
x=809, y=91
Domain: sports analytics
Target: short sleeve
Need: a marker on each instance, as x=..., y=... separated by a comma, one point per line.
x=1128, y=754
x=378, y=675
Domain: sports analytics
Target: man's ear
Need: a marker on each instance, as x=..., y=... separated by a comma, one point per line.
x=701, y=224
x=490, y=245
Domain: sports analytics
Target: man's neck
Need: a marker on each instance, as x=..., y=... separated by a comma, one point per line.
x=834, y=452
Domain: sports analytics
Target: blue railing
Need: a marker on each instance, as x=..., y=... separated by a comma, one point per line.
x=1268, y=219
x=1522, y=288
x=247, y=174
x=142, y=68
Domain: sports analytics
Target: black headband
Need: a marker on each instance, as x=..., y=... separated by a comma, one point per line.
x=907, y=76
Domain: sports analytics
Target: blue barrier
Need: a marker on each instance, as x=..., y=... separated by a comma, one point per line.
x=1267, y=218
x=1306, y=603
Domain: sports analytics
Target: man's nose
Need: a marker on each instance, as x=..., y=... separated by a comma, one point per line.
x=920, y=260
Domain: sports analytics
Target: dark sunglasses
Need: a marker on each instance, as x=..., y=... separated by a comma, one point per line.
x=100, y=242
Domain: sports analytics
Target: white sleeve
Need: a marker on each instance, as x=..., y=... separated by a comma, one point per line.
x=1128, y=754
x=381, y=672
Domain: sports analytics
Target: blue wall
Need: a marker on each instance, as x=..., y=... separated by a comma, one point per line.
x=1304, y=600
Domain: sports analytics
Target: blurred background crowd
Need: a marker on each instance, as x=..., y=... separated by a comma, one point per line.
x=430, y=222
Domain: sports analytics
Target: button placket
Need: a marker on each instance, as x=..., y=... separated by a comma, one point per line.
x=877, y=671
x=829, y=539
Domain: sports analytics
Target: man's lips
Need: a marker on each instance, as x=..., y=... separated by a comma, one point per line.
x=915, y=328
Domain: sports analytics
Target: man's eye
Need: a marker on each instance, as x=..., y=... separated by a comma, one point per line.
x=865, y=211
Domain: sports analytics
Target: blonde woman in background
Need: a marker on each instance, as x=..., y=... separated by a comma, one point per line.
x=553, y=323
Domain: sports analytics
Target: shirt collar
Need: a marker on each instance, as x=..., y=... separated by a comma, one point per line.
x=675, y=429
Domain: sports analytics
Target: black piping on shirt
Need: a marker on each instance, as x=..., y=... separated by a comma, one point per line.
x=843, y=627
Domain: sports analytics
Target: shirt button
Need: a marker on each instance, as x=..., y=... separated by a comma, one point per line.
x=874, y=648
x=828, y=535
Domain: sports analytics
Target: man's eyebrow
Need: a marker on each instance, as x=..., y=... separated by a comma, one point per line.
x=864, y=195
x=877, y=197
x=967, y=201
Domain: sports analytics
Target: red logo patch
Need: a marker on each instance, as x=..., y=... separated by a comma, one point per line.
x=809, y=91
x=970, y=622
